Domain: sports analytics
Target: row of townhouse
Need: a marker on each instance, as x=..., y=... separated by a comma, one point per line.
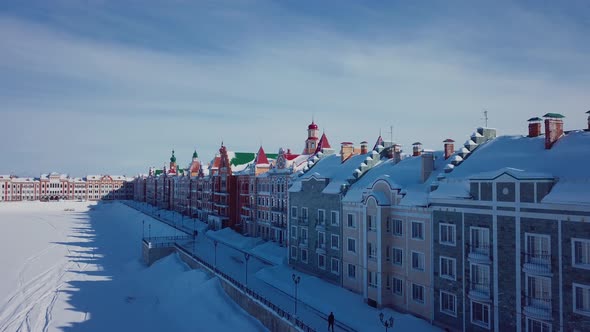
x=493, y=236
x=55, y=186
x=244, y=191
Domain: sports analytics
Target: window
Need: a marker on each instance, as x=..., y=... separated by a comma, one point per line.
x=303, y=239
x=351, y=245
x=398, y=286
x=304, y=213
x=417, y=230
x=372, y=279
x=448, y=303
x=334, y=218
x=582, y=299
x=388, y=225
x=351, y=271
x=398, y=256
x=480, y=241
x=581, y=253
x=418, y=293
x=294, y=232
x=335, y=265
x=304, y=255
x=480, y=314
x=350, y=218
x=321, y=217
x=371, y=226
x=397, y=227
x=417, y=260
x=537, y=326
x=538, y=251
x=447, y=234
x=539, y=292
x=480, y=279
x=293, y=212
x=447, y=268
x=321, y=240
x=335, y=241
x=371, y=251
x=322, y=261
x=294, y=252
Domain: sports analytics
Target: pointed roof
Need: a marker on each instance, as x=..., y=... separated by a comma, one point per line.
x=173, y=158
x=195, y=155
x=379, y=142
x=323, y=143
x=261, y=157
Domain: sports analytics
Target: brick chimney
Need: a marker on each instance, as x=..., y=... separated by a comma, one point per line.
x=346, y=151
x=553, y=128
x=588, y=119
x=534, y=126
x=416, y=149
x=364, y=147
x=449, y=147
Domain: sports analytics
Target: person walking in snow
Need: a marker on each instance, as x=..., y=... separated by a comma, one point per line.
x=331, y=321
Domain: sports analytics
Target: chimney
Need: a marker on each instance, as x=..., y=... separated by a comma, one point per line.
x=449, y=147
x=416, y=149
x=553, y=128
x=427, y=165
x=346, y=151
x=534, y=126
x=588, y=120
x=397, y=152
x=364, y=147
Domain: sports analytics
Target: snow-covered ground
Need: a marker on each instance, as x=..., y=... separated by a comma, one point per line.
x=269, y=276
x=75, y=266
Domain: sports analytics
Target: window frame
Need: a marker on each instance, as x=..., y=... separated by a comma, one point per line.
x=453, y=265
x=574, y=299
x=421, y=223
x=442, y=225
x=442, y=308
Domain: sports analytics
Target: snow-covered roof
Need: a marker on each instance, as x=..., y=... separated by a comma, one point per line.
x=526, y=158
x=405, y=175
x=331, y=167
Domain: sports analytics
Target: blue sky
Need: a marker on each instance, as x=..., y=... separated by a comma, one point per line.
x=112, y=86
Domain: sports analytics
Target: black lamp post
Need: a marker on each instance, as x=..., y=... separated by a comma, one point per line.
x=387, y=323
x=247, y=257
x=296, y=280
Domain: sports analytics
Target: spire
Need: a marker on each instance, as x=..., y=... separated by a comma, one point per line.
x=195, y=155
x=173, y=158
x=261, y=157
x=323, y=143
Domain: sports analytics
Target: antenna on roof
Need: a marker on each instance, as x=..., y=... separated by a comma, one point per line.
x=391, y=133
x=485, y=116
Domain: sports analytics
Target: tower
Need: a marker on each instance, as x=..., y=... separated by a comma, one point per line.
x=173, y=163
x=311, y=143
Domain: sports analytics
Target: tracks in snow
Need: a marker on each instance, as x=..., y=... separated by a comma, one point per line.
x=30, y=306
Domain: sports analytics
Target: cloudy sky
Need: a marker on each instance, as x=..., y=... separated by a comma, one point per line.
x=112, y=86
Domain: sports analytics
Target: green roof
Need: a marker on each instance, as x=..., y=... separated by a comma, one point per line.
x=587, y=112
x=553, y=115
x=195, y=155
x=158, y=172
x=535, y=119
x=242, y=158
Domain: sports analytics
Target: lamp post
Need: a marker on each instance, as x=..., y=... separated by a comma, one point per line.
x=296, y=280
x=247, y=257
x=387, y=323
x=143, y=229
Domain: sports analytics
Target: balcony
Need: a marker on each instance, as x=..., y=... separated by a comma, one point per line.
x=320, y=225
x=479, y=291
x=538, y=307
x=320, y=247
x=303, y=220
x=538, y=263
x=479, y=253
x=303, y=242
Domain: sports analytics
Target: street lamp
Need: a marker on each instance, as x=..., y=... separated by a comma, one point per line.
x=387, y=323
x=247, y=257
x=296, y=280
